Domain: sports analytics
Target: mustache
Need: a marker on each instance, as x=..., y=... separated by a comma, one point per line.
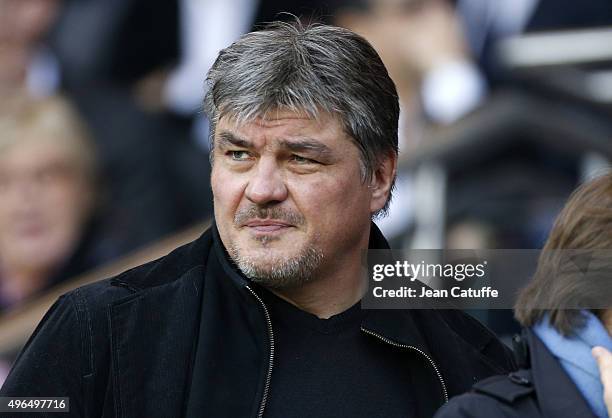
x=266, y=212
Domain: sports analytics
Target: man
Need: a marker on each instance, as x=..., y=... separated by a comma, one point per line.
x=260, y=316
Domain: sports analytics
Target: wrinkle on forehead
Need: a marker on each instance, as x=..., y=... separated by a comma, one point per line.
x=272, y=117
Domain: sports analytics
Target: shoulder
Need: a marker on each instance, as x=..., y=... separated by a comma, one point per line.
x=164, y=270
x=82, y=313
x=509, y=395
x=472, y=405
x=89, y=304
x=74, y=332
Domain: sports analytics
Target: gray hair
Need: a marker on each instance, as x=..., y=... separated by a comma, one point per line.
x=313, y=69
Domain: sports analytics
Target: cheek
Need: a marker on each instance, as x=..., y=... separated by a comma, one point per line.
x=68, y=204
x=329, y=199
x=227, y=191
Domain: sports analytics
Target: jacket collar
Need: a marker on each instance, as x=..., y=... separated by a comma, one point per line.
x=175, y=284
x=393, y=327
x=557, y=395
x=167, y=295
x=228, y=265
x=396, y=328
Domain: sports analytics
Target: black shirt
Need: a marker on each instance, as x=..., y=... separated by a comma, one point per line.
x=330, y=368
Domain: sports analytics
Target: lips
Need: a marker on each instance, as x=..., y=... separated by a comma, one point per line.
x=267, y=225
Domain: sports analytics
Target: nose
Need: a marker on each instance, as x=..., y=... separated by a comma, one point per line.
x=266, y=184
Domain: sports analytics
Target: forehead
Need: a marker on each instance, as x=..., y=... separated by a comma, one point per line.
x=284, y=125
x=33, y=153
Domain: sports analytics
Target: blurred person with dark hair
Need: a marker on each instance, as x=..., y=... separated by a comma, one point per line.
x=48, y=197
x=559, y=377
x=261, y=315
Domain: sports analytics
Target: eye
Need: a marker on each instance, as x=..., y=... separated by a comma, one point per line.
x=239, y=155
x=302, y=160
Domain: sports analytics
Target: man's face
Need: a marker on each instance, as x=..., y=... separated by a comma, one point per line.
x=289, y=199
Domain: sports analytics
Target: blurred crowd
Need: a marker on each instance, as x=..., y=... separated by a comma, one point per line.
x=104, y=149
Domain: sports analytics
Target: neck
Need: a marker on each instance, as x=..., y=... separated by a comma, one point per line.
x=324, y=299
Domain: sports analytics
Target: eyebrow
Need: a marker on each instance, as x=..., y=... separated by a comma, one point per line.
x=306, y=145
x=226, y=138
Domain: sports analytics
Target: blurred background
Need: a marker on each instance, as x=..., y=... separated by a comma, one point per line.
x=506, y=105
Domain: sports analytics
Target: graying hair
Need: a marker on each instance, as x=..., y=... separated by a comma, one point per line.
x=313, y=69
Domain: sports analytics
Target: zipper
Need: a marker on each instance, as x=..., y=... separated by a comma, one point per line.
x=264, y=398
x=421, y=352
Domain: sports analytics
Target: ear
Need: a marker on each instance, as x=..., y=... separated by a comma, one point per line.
x=381, y=182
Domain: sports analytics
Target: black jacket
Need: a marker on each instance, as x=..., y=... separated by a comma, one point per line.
x=124, y=347
x=541, y=390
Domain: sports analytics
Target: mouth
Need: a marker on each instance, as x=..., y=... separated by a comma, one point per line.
x=266, y=226
x=29, y=230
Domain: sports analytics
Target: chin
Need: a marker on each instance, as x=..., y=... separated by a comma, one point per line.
x=278, y=243
x=278, y=268
x=267, y=255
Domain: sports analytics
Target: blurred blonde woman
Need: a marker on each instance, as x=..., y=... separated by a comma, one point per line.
x=47, y=196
